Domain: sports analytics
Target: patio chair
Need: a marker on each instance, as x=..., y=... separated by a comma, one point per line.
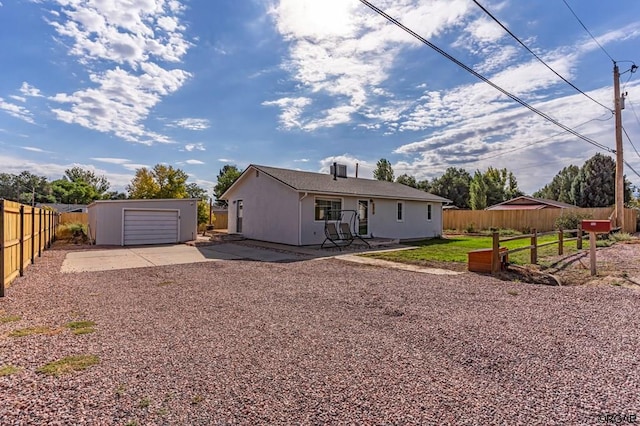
x=332, y=235
x=345, y=232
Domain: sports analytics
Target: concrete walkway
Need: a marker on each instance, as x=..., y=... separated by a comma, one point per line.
x=148, y=256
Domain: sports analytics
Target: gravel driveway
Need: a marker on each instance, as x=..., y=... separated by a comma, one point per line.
x=314, y=342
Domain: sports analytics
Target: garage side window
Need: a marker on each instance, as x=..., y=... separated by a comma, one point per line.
x=429, y=211
x=328, y=208
x=400, y=211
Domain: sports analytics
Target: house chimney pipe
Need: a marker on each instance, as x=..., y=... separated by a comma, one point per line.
x=335, y=170
x=356, y=170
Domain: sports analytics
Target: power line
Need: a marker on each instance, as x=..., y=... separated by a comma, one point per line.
x=533, y=143
x=587, y=30
x=536, y=56
x=629, y=139
x=483, y=78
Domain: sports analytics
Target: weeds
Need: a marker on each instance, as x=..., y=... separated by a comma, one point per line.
x=9, y=318
x=8, y=370
x=68, y=365
x=22, y=332
x=81, y=327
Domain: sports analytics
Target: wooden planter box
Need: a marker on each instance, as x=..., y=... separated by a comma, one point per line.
x=480, y=260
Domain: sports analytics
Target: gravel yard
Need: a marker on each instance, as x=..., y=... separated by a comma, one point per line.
x=314, y=342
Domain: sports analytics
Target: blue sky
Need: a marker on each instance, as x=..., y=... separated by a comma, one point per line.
x=115, y=85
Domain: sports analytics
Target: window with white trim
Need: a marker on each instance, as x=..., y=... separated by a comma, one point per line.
x=400, y=211
x=429, y=211
x=328, y=208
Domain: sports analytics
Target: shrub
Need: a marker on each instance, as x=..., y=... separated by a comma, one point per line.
x=570, y=220
x=471, y=228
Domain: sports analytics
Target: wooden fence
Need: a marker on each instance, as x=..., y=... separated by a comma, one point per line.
x=525, y=220
x=82, y=218
x=25, y=232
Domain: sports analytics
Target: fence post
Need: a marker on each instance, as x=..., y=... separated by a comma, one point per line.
x=534, y=247
x=2, y=248
x=495, y=254
x=560, y=242
x=33, y=235
x=21, y=256
x=49, y=228
x=40, y=233
x=579, y=241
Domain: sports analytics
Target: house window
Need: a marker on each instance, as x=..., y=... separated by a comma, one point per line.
x=429, y=211
x=328, y=208
x=400, y=211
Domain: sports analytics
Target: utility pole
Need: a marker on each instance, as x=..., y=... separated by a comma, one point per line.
x=619, y=157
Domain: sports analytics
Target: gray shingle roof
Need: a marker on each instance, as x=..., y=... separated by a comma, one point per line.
x=325, y=184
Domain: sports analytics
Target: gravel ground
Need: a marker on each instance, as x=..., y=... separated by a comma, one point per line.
x=315, y=342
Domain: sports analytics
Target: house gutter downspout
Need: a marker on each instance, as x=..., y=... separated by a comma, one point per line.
x=300, y=218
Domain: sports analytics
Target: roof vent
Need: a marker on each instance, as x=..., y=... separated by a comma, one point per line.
x=338, y=170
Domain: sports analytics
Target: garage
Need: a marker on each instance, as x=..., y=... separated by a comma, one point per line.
x=143, y=222
x=150, y=226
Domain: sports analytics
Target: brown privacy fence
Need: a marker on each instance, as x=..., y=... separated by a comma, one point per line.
x=222, y=220
x=526, y=220
x=82, y=218
x=25, y=232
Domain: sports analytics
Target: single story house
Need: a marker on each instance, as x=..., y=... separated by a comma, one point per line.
x=525, y=202
x=137, y=222
x=292, y=207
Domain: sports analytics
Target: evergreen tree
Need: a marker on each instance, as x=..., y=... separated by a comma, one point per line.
x=383, y=170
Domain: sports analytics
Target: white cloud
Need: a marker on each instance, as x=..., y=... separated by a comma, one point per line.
x=194, y=162
x=16, y=111
x=194, y=147
x=18, y=98
x=33, y=149
x=365, y=169
x=132, y=42
x=341, y=50
x=28, y=90
x=191, y=123
x=111, y=160
x=292, y=108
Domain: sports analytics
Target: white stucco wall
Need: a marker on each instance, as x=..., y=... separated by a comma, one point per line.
x=270, y=209
x=105, y=217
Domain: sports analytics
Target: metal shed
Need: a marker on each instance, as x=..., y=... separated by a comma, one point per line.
x=138, y=222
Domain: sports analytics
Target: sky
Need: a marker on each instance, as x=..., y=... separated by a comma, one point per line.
x=116, y=85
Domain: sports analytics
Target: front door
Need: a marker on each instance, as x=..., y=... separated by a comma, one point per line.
x=239, y=216
x=363, y=218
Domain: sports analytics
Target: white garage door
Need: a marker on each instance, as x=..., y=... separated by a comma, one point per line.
x=150, y=227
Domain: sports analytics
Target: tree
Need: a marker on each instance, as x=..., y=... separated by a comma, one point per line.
x=160, y=182
x=405, y=179
x=596, y=182
x=100, y=184
x=383, y=170
x=478, y=192
x=560, y=187
x=30, y=188
x=194, y=191
x=68, y=192
x=454, y=185
x=226, y=177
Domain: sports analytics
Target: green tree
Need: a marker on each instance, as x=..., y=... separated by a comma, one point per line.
x=424, y=185
x=559, y=189
x=405, y=179
x=478, y=192
x=596, y=182
x=100, y=184
x=194, y=191
x=453, y=184
x=383, y=170
x=32, y=188
x=203, y=212
x=68, y=192
x=226, y=177
x=160, y=182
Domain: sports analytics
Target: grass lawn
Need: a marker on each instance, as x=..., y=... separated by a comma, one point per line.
x=455, y=249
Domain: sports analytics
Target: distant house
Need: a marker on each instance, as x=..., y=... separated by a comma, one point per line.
x=291, y=207
x=65, y=208
x=529, y=203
